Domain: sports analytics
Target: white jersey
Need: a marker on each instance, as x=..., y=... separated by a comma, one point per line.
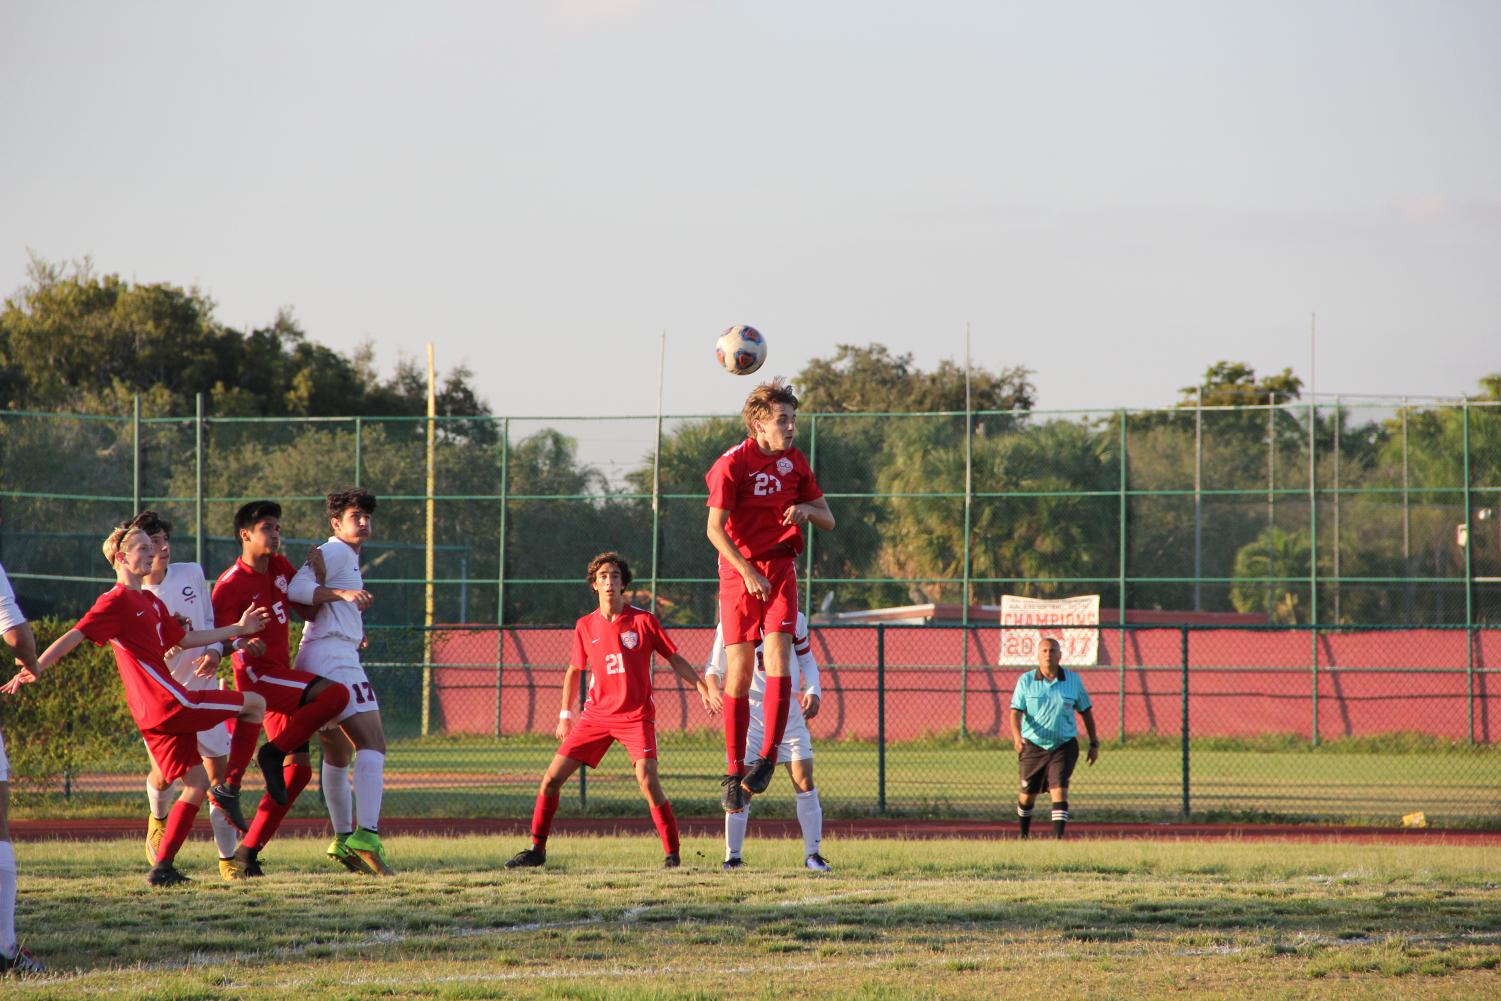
x=185, y=592
x=10, y=612
x=804, y=669
x=335, y=619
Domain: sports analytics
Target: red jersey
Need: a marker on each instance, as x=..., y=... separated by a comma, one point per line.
x=239, y=588
x=618, y=657
x=141, y=630
x=756, y=488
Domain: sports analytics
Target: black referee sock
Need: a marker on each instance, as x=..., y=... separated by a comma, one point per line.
x=1060, y=817
x=1024, y=819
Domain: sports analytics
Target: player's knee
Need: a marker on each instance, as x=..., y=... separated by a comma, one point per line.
x=254, y=709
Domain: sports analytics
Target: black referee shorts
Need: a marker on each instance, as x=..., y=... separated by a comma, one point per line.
x=1042, y=768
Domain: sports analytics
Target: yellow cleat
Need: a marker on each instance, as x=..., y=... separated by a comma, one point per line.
x=156, y=828
x=230, y=871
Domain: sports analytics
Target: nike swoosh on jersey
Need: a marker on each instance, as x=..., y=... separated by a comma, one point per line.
x=140, y=613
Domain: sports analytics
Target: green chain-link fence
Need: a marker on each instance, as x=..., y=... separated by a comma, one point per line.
x=1322, y=530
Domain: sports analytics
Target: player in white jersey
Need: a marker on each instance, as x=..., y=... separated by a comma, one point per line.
x=796, y=749
x=184, y=590
x=16, y=632
x=330, y=648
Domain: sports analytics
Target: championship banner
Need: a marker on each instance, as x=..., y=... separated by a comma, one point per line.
x=1024, y=621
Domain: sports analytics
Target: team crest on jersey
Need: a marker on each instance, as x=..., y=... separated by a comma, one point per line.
x=784, y=465
x=629, y=639
x=281, y=582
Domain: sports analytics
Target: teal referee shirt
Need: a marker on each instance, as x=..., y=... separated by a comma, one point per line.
x=1048, y=707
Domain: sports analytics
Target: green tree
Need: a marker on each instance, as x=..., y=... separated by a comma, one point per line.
x=1272, y=576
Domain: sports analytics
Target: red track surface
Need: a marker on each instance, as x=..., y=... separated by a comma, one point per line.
x=101, y=830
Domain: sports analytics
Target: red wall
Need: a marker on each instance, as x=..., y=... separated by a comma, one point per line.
x=1241, y=682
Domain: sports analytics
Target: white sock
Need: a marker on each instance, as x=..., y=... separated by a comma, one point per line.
x=339, y=798
x=369, y=784
x=160, y=800
x=226, y=835
x=734, y=832
x=8, y=944
x=810, y=819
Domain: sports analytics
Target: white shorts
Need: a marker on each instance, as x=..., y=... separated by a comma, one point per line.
x=4, y=761
x=797, y=742
x=10, y=612
x=339, y=662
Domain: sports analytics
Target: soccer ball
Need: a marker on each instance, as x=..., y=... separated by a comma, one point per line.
x=741, y=350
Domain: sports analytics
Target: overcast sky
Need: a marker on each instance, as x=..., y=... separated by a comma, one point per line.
x=1114, y=195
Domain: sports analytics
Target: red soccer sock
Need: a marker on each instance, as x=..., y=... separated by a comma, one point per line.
x=667, y=827
x=241, y=750
x=270, y=814
x=310, y=718
x=542, y=819
x=777, y=701
x=179, y=824
x=736, y=725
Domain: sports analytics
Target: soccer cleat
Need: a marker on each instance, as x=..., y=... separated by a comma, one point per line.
x=248, y=861
x=672, y=861
x=731, y=864
x=759, y=777
x=338, y=850
x=530, y=858
x=270, y=758
x=366, y=846
x=731, y=796
x=230, y=870
x=165, y=874
x=23, y=963
x=817, y=863
x=156, y=828
x=227, y=798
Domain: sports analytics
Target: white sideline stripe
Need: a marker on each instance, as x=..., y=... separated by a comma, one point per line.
x=178, y=693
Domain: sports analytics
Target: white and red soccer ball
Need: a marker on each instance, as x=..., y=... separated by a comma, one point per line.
x=741, y=350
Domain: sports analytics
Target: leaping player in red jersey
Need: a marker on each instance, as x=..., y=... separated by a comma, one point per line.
x=615, y=645
x=761, y=493
x=298, y=704
x=141, y=630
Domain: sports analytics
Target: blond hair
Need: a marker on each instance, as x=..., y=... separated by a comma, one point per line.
x=765, y=396
x=115, y=541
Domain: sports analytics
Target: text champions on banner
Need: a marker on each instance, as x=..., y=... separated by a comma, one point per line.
x=1024, y=621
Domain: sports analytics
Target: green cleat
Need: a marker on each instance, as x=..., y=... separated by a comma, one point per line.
x=338, y=850
x=365, y=844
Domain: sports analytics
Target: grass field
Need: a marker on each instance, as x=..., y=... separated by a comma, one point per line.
x=1368, y=782
x=897, y=919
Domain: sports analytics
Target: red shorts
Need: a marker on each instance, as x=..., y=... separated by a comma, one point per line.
x=173, y=742
x=282, y=690
x=592, y=736
x=745, y=618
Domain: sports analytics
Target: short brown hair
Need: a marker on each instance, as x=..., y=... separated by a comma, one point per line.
x=604, y=560
x=115, y=541
x=149, y=522
x=350, y=497
x=759, y=403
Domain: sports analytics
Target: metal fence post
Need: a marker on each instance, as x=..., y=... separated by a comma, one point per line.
x=500, y=569
x=880, y=718
x=198, y=478
x=359, y=436
x=1184, y=738
x=1469, y=579
x=812, y=535
x=1120, y=726
x=969, y=496
x=583, y=769
x=1313, y=555
x=135, y=450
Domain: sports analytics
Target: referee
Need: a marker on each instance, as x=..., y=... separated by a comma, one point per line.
x=1046, y=738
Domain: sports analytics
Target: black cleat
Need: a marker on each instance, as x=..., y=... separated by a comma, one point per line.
x=731, y=796
x=247, y=860
x=817, y=863
x=227, y=798
x=759, y=777
x=731, y=864
x=672, y=861
x=22, y=964
x=165, y=874
x=530, y=858
x=270, y=757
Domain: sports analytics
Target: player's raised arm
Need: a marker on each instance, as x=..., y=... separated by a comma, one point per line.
x=60, y=648
x=251, y=621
